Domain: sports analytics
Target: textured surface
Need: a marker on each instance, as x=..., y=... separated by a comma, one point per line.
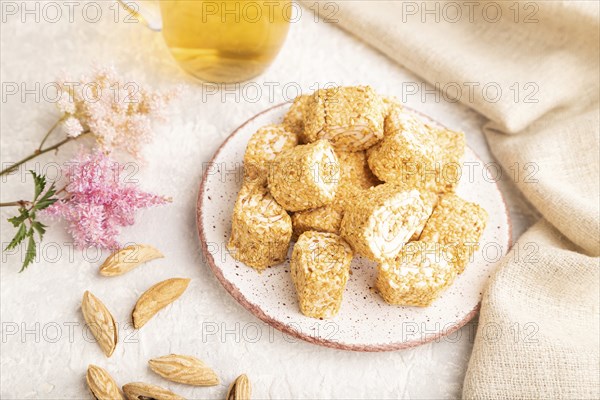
x=47, y=361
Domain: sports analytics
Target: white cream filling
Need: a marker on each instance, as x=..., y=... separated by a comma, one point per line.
x=424, y=268
x=358, y=135
x=273, y=144
x=325, y=156
x=278, y=145
x=383, y=241
x=268, y=210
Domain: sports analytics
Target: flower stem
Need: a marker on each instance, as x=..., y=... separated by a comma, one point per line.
x=49, y=132
x=39, y=152
x=19, y=203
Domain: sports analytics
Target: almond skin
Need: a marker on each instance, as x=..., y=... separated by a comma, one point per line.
x=128, y=258
x=100, y=322
x=240, y=389
x=184, y=369
x=101, y=384
x=156, y=298
x=145, y=391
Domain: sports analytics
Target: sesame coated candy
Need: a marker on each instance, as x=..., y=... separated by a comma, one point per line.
x=457, y=223
x=261, y=229
x=380, y=224
x=320, y=269
x=262, y=149
x=350, y=117
x=417, y=276
x=417, y=154
x=305, y=177
x=404, y=156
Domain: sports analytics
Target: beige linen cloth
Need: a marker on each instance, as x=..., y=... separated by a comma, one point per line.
x=548, y=286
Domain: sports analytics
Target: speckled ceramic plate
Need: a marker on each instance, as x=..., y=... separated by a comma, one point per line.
x=365, y=322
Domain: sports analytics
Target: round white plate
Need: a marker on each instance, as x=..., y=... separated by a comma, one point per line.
x=365, y=322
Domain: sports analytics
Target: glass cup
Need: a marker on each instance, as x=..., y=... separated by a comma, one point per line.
x=222, y=41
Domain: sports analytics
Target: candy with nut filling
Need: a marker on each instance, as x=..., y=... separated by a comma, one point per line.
x=404, y=156
x=386, y=217
x=262, y=149
x=305, y=177
x=417, y=275
x=261, y=229
x=320, y=268
x=350, y=117
x=457, y=223
x=417, y=154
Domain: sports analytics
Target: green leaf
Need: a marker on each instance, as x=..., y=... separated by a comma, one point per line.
x=40, y=205
x=15, y=221
x=19, y=219
x=40, y=184
x=30, y=253
x=51, y=191
x=46, y=199
x=19, y=237
x=39, y=227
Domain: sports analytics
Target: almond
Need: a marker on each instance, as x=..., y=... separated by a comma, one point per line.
x=156, y=298
x=184, y=369
x=128, y=258
x=101, y=384
x=101, y=322
x=240, y=389
x=145, y=391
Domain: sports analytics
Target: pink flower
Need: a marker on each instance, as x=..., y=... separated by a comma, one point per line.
x=98, y=202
